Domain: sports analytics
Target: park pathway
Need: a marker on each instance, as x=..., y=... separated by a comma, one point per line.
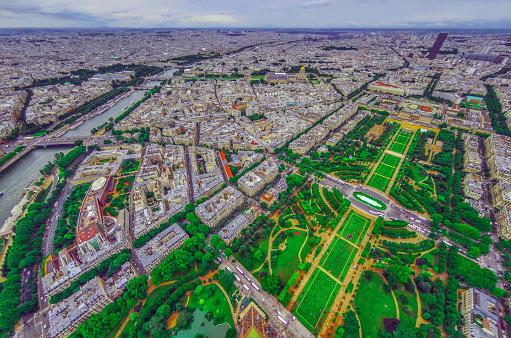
x=419, y=320
x=330, y=275
x=315, y=262
x=359, y=325
x=326, y=200
x=228, y=299
x=380, y=159
x=343, y=298
x=149, y=291
x=398, y=167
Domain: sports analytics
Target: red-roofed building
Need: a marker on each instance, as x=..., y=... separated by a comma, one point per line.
x=228, y=171
x=379, y=86
x=225, y=165
x=222, y=156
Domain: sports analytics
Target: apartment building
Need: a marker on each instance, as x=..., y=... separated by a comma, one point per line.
x=480, y=314
x=498, y=152
x=233, y=229
x=308, y=140
x=219, y=206
x=473, y=186
x=504, y=222
x=501, y=193
x=254, y=180
x=155, y=251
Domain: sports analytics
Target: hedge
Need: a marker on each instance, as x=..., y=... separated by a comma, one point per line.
x=290, y=283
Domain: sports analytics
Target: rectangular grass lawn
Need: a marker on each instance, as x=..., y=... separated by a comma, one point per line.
x=385, y=170
x=403, y=138
x=317, y=297
x=391, y=160
x=339, y=257
x=354, y=225
x=379, y=182
x=398, y=147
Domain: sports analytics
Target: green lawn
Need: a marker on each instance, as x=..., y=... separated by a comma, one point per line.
x=337, y=260
x=407, y=318
x=430, y=257
x=385, y=170
x=465, y=262
x=372, y=305
x=126, y=329
x=152, y=297
x=262, y=244
x=215, y=301
x=289, y=259
x=354, y=226
x=398, y=147
x=417, y=168
x=402, y=138
x=116, y=329
x=391, y=160
x=317, y=298
x=379, y=182
x=400, y=142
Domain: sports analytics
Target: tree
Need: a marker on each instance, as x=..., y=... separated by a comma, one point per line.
x=206, y=260
x=226, y=280
x=351, y=326
x=498, y=292
x=185, y=319
x=339, y=332
x=258, y=255
x=137, y=287
x=269, y=283
x=231, y=333
x=473, y=252
x=198, y=255
x=217, y=242
x=397, y=274
x=96, y=326
x=404, y=332
x=189, y=207
x=228, y=252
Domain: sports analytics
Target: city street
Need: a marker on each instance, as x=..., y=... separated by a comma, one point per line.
x=267, y=302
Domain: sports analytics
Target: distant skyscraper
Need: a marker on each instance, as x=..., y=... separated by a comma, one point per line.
x=436, y=47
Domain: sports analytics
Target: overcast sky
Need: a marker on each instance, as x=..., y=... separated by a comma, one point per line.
x=256, y=13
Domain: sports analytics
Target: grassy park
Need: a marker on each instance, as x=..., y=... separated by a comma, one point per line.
x=372, y=304
x=337, y=260
x=354, y=227
x=408, y=306
x=401, y=141
x=384, y=172
x=317, y=298
x=212, y=299
x=289, y=259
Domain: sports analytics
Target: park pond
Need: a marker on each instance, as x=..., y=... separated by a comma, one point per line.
x=209, y=329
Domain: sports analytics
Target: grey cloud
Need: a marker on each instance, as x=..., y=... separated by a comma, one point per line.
x=317, y=3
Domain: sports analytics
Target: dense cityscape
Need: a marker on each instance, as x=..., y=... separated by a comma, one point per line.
x=255, y=183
